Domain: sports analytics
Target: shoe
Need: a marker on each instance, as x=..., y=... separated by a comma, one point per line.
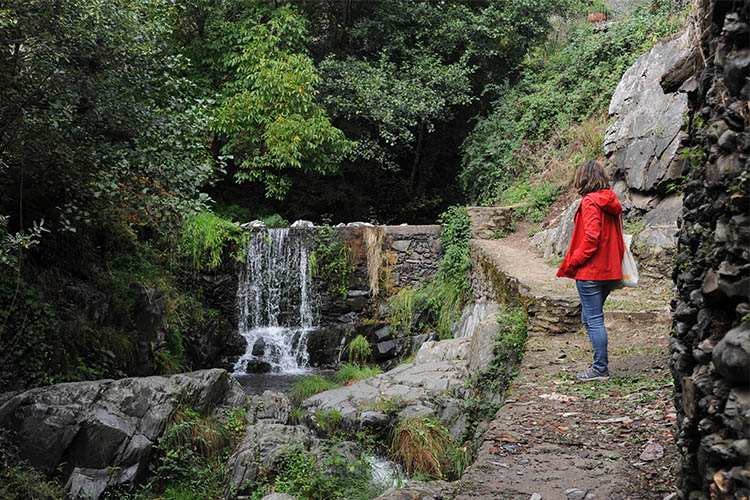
x=592, y=374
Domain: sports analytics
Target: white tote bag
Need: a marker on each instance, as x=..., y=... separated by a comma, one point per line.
x=629, y=266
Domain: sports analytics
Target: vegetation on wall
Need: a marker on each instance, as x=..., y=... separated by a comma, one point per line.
x=438, y=302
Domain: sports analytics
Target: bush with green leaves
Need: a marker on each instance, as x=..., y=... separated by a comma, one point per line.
x=358, y=350
x=553, y=91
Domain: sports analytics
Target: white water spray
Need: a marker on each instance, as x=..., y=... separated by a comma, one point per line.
x=276, y=313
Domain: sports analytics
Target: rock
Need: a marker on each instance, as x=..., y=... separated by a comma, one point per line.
x=278, y=496
x=270, y=407
x=731, y=356
x=357, y=299
x=385, y=350
x=481, y=350
x=486, y=222
x=438, y=368
x=253, y=224
x=421, y=490
x=262, y=445
x=535, y=496
x=653, y=451
x=102, y=432
x=303, y=224
x=150, y=324
x=555, y=242
x=644, y=139
x=472, y=316
x=383, y=333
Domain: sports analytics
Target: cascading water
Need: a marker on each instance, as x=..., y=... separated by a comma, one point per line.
x=276, y=313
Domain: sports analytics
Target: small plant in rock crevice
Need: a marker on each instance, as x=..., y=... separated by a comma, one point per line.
x=358, y=350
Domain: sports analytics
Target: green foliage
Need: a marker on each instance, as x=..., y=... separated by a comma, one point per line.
x=305, y=476
x=307, y=386
x=19, y=480
x=401, y=306
x=538, y=198
x=328, y=421
x=269, y=118
x=423, y=446
x=348, y=373
x=28, y=329
x=191, y=454
x=358, y=350
x=332, y=260
x=552, y=92
x=205, y=236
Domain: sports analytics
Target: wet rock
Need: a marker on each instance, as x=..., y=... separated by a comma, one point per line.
x=279, y=496
x=421, y=490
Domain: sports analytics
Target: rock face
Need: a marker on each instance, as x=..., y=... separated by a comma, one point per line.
x=644, y=144
x=101, y=433
x=644, y=138
x=710, y=357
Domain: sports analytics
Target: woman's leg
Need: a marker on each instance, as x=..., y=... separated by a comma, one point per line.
x=592, y=295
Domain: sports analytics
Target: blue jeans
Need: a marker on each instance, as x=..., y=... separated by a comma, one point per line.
x=593, y=294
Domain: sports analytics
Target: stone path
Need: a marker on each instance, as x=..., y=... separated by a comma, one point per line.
x=560, y=439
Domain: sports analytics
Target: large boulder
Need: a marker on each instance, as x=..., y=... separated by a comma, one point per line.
x=645, y=138
x=555, y=241
x=101, y=433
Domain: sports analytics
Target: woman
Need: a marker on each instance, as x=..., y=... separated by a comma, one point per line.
x=594, y=258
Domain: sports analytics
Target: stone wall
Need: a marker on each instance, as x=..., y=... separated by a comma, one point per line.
x=710, y=348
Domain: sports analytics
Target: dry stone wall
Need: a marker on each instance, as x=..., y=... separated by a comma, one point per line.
x=710, y=347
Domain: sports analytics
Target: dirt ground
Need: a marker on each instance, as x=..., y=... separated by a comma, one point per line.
x=557, y=438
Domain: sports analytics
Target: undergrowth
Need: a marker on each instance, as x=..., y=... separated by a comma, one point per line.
x=332, y=261
x=528, y=125
x=424, y=447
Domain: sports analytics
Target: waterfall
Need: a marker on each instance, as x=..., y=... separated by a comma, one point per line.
x=276, y=313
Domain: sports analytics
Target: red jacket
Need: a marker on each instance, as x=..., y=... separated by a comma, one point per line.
x=596, y=248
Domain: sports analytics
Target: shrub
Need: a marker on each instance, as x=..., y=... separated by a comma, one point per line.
x=204, y=237
x=358, y=350
x=332, y=260
x=423, y=446
x=552, y=92
x=401, y=307
x=19, y=480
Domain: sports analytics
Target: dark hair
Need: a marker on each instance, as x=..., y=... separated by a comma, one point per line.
x=590, y=177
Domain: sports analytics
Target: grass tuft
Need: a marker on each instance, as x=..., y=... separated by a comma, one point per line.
x=423, y=446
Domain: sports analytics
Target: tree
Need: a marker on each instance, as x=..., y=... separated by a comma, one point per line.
x=269, y=119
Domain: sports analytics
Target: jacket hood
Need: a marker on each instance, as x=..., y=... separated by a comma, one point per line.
x=607, y=200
